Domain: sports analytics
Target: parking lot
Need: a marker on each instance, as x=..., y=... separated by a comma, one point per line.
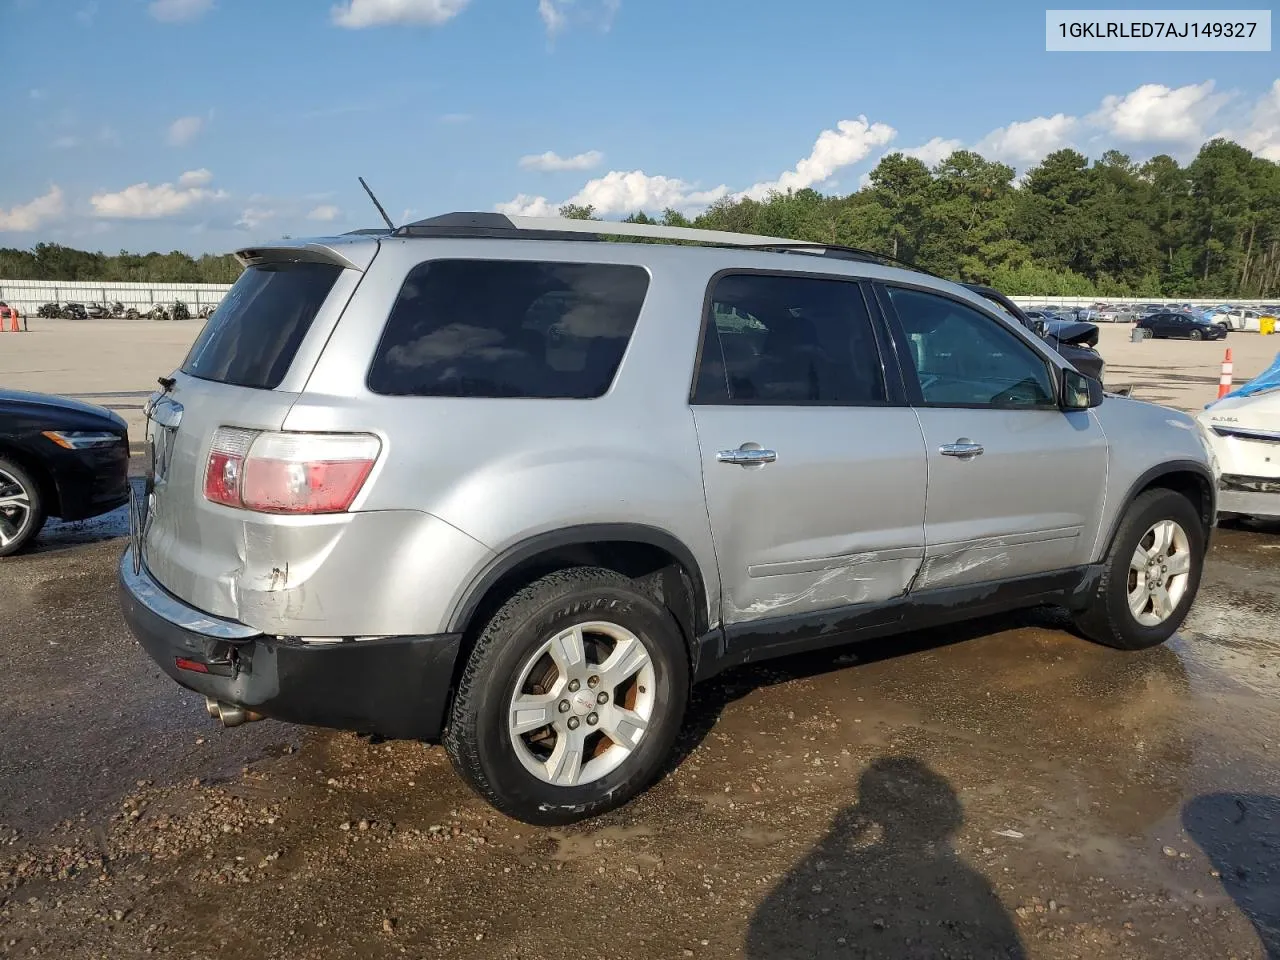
x=999, y=789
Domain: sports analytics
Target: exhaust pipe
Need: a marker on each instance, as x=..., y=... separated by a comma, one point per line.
x=229, y=714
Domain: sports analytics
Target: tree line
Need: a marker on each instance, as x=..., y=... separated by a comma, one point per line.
x=1069, y=227
x=51, y=261
x=1112, y=227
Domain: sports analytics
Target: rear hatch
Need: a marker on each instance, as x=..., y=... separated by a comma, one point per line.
x=245, y=370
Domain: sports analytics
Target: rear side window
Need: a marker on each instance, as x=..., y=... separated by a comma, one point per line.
x=508, y=328
x=253, y=336
x=786, y=340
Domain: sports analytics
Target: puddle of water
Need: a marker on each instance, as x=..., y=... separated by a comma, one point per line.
x=58, y=534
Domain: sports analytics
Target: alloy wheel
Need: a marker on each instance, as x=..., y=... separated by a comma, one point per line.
x=1159, y=573
x=582, y=704
x=15, y=508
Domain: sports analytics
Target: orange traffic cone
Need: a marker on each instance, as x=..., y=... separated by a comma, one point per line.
x=1224, y=381
x=13, y=320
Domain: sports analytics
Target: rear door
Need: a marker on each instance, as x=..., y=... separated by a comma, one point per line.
x=814, y=469
x=1015, y=484
x=245, y=369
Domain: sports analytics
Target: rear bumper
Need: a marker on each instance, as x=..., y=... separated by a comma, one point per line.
x=397, y=686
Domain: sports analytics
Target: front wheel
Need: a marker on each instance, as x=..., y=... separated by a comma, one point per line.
x=21, y=508
x=1197, y=335
x=1150, y=576
x=571, y=699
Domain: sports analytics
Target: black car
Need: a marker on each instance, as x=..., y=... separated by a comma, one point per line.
x=58, y=458
x=1075, y=340
x=1183, y=326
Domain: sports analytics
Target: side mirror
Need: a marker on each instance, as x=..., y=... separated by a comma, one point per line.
x=1080, y=392
x=1039, y=327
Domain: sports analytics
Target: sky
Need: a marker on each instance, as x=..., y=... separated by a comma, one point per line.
x=209, y=125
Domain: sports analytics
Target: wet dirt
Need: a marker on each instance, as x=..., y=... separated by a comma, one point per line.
x=998, y=789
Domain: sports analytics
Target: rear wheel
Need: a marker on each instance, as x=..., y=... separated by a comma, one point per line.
x=21, y=508
x=1150, y=576
x=572, y=698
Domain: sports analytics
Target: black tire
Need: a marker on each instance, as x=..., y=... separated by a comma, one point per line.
x=1197, y=335
x=477, y=736
x=1107, y=619
x=19, y=477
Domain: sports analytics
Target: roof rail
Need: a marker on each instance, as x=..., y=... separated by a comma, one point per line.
x=500, y=225
x=538, y=228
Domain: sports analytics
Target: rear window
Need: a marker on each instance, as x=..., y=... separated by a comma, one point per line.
x=504, y=328
x=253, y=336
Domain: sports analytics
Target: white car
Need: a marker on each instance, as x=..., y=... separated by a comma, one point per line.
x=1240, y=319
x=1244, y=430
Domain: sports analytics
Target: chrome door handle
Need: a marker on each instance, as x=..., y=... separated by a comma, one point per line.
x=747, y=456
x=964, y=448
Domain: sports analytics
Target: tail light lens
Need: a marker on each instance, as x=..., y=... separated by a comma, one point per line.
x=291, y=473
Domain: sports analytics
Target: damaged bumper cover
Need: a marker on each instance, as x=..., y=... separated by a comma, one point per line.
x=1251, y=496
x=396, y=687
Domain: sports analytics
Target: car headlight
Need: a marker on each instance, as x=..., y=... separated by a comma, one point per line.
x=82, y=439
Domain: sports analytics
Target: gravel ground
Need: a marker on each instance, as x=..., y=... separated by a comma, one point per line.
x=995, y=790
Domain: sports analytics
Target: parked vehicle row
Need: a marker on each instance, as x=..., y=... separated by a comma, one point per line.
x=178, y=310
x=1232, y=317
x=482, y=480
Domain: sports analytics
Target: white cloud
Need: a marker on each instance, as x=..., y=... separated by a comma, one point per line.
x=552, y=17
x=623, y=192
x=551, y=161
x=142, y=201
x=1263, y=134
x=555, y=14
x=525, y=205
x=185, y=129
x=254, y=217
x=1156, y=112
x=931, y=153
x=357, y=14
x=176, y=11
x=850, y=142
x=1027, y=142
x=31, y=216
x=195, y=178
x=325, y=213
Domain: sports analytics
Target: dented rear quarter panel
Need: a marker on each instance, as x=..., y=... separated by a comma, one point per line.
x=503, y=471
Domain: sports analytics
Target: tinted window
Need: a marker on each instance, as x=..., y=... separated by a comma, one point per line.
x=500, y=328
x=254, y=334
x=788, y=341
x=965, y=358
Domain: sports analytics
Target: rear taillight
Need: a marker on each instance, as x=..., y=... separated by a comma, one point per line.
x=295, y=473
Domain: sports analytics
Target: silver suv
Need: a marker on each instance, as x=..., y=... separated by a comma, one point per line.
x=495, y=482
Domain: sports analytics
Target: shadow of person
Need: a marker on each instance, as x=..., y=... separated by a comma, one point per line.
x=885, y=881
x=1240, y=834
